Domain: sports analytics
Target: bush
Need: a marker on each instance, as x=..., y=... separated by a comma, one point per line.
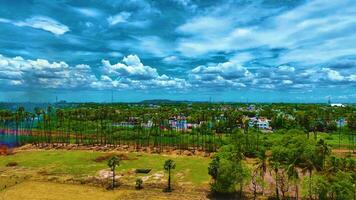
x=12, y=164
x=227, y=170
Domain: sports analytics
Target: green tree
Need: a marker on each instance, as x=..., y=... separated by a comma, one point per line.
x=213, y=168
x=113, y=163
x=261, y=166
x=228, y=170
x=168, y=166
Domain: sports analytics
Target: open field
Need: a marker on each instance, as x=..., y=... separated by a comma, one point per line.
x=82, y=163
x=36, y=190
x=58, y=170
x=83, y=174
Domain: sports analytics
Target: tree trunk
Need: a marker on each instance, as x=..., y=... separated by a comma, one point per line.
x=296, y=191
x=310, y=177
x=277, y=192
x=169, y=179
x=113, y=177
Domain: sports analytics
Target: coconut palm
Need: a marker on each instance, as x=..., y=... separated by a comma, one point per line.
x=261, y=166
x=293, y=175
x=168, y=166
x=323, y=150
x=275, y=165
x=113, y=163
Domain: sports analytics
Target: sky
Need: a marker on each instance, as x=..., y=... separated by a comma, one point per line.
x=132, y=50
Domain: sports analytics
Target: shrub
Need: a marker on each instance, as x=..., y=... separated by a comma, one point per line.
x=139, y=184
x=12, y=164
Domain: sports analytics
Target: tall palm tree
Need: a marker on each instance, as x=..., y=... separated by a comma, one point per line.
x=168, y=166
x=261, y=166
x=113, y=163
x=309, y=166
x=49, y=113
x=323, y=150
x=293, y=175
x=275, y=165
x=38, y=112
x=19, y=116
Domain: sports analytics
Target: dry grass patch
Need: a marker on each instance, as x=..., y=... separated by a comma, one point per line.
x=54, y=191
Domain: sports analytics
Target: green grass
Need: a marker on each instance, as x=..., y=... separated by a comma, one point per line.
x=68, y=162
x=81, y=163
x=195, y=169
x=333, y=140
x=35, y=190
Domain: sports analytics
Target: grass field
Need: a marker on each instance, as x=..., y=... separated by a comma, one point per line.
x=51, y=165
x=332, y=139
x=35, y=190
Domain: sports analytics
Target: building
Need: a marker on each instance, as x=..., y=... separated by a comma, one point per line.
x=261, y=123
x=341, y=122
x=251, y=108
x=178, y=122
x=149, y=124
x=337, y=105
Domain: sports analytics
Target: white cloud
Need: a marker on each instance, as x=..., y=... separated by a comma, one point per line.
x=333, y=75
x=170, y=59
x=40, y=73
x=41, y=22
x=122, y=17
x=315, y=32
x=287, y=82
x=186, y=4
x=43, y=74
x=89, y=12
x=131, y=67
x=152, y=45
x=205, y=26
x=352, y=77
x=286, y=69
x=133, y=73
x=222, y=74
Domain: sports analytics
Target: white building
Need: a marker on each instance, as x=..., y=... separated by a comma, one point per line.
x=337, y=105
x=261, y=123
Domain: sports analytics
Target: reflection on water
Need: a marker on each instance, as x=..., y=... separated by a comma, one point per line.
x=12, y=140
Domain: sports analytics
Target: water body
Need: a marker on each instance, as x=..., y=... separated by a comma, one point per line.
x=11, y=140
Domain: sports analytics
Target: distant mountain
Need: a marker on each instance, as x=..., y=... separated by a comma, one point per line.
x=162, y=101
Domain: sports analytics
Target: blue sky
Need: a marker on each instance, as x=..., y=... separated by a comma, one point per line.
x=243, y=50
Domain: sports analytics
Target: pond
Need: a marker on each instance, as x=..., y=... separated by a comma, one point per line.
x=10, y=140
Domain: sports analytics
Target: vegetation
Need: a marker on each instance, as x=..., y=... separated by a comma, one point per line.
x=144, y=125
x=113, y=162
x=227, y=170
x=139, y=183
x=168, y=166
x=298, y=157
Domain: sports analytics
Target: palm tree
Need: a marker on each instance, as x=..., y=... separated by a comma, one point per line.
x=168, y=166
x=49, y=112
x=113, y=163
x=261, y=166
x=275, y=165
x=293, y=175
x=19, y=115
x=309, y=166
x=323, y=150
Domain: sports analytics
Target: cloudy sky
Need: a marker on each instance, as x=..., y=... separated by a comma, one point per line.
x=243, y=50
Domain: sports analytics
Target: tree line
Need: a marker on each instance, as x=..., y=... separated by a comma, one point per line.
x=95, y=124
